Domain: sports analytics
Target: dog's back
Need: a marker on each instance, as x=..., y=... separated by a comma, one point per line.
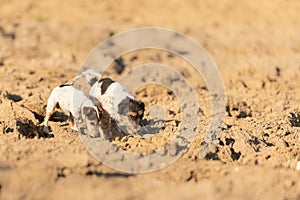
x=116, y=99
x=68, y=98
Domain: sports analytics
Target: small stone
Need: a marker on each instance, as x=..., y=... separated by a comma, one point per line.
x=298, y=166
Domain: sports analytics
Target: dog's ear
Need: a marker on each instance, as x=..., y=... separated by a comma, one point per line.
x=141, y=105
x=90, y=112
x=136, y=105
x=86, y=110
x=100, y=110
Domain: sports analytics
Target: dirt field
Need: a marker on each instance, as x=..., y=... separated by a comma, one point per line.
x=256, y=46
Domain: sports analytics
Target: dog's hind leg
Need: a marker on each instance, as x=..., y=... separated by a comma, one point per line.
x=51, y=105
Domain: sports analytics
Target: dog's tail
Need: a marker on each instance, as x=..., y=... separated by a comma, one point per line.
x=90, y=75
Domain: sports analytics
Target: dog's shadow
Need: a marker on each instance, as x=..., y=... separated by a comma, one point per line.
x=29, y=129
x=59, y=117
x=153, y=126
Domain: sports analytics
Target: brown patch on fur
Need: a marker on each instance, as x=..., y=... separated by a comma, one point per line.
x=106, y=82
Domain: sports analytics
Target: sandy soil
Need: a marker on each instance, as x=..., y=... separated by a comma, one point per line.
x=256, y=47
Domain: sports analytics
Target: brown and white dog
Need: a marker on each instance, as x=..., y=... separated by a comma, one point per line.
x=73, y=101
x=117, y=101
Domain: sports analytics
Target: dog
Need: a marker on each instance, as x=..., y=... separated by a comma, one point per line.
x=74, y=102
x=117, y=101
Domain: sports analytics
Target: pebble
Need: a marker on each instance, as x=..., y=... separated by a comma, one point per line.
x=298, y=166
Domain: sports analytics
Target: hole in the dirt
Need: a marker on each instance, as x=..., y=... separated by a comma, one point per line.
x=286, y=144
x=119, y=65
x=235, y=155
x=295, y=119
x=238, y=109
x=266, y=135
x=13, y=97
x=242, y=114
x=229, y=141
x=31, y=72
x=278, y=71
x=28, y=129
x=212, y=156
x=235, y=109
x=228, y=126
x=254, y=141
x=37, y=116
x=191, y=176
x=269, y=144
x=133, y=58
x=221, y=143
x=228, y=111
x=170, y=92
x=287, y=133
x=171, y=112
x=60, y=173
x=107, y=175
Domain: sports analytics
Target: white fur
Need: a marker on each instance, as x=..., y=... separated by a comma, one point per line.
x=89, y=75
x=70, y=100
x=111, y=99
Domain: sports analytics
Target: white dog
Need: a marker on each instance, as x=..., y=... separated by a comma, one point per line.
x=77, y=105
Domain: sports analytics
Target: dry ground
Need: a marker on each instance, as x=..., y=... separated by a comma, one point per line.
x=256, y=46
